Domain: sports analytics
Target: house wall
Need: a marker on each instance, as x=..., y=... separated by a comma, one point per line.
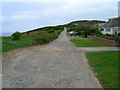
x=108, y=32
x=117, y=29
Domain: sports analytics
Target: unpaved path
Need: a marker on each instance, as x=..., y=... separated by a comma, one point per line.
x=55, y=65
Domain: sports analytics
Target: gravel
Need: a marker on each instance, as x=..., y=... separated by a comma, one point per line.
x=54, y=65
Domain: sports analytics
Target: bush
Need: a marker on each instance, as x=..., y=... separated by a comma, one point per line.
x=59, y=31
x=80, y=32
x=45, y=38
x=41, y=40
x=50, y=31
x=118, y=34
x=16, y=35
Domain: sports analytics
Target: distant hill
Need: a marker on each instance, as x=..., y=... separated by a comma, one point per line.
x=59, y=27
x=35, y=31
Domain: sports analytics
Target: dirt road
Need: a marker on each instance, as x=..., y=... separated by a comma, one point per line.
x=55, y=65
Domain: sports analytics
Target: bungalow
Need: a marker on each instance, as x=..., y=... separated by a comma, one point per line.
x=112, y=26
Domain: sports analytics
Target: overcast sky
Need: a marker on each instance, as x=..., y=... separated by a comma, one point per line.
x=23, y=16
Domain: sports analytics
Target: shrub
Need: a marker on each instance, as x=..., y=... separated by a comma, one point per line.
x=59, y=31
x=41, y=40
x=50, y=31
x=45, y=38
x=118, y=34
x=80, y=32
x=16, y=35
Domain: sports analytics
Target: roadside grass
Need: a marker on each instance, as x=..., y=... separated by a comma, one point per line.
x=87, y=43
x=28, y=40
x=105, y=64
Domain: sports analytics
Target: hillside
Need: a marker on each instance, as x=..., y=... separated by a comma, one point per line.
x=40, y=35
x=31, y=38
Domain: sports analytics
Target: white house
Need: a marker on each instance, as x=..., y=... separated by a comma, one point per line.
x=101, y=26
x=112, y=26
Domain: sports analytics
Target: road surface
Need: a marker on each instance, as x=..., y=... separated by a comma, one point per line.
x=55, y=65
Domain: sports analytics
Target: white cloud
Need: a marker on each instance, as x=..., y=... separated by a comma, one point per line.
x=65, y=10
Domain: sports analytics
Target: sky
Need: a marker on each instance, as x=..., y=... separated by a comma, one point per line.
x=21, y=15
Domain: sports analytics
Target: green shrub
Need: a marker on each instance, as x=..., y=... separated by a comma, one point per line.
x=118, y=34
x=50, y=31
x=16, y=35
x=80, y=32
x=41, y=40
x=59, y=31
x=45, y=38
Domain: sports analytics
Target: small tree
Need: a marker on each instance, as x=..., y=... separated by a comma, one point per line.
x=16, y=35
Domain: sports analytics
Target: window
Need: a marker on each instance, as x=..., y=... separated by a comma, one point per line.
x=107, y=29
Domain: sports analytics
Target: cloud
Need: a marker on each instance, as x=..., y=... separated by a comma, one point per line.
x=68, y=9
x=30, y=15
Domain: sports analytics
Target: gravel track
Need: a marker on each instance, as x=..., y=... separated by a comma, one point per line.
x=55, y=65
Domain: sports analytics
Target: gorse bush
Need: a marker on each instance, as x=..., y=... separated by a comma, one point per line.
x=16, y=35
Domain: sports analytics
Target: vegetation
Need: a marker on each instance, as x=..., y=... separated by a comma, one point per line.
x=87, y=43
x=50, y=31
x=107, y=36
x=18, y=40
x=87, y=22
x=105, y=67
x=83, y=28
x=86, y=27
x=45, y=38
x=16, y=35
x=59, y=27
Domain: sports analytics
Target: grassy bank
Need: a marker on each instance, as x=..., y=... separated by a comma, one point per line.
x=87, y=43
x=105, y=64
x=29, y=40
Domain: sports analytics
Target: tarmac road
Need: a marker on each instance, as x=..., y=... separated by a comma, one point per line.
x=55, y=65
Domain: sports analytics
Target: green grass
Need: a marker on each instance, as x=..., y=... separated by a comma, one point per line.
x=9, y=44
x=105, y=64
x=87, y=43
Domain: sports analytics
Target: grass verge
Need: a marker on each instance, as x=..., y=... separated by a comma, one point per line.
x=87, y=43
x=105, y=65
x=28, y=40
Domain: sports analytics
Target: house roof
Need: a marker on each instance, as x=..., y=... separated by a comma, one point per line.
x=115, y=22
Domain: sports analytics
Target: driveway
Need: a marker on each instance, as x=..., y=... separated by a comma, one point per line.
x=55, y=65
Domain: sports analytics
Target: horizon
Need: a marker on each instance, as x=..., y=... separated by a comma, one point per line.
x=25, y=16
